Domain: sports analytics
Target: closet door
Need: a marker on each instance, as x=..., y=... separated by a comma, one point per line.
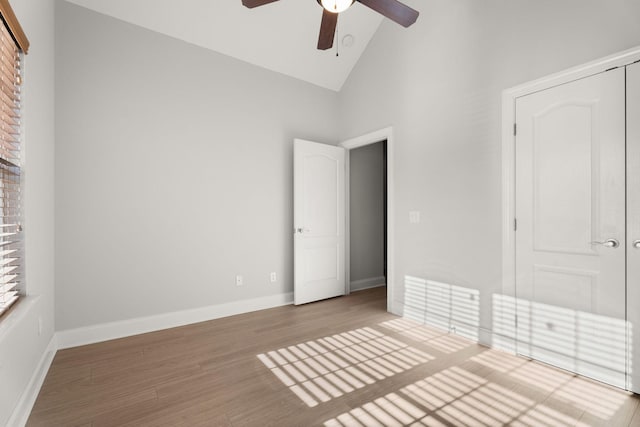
x=570, y=238
x=633, y=223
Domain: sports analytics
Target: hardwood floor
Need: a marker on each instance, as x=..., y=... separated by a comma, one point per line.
x=341, y=362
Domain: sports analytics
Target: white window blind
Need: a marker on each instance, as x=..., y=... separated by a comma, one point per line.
x=11, y=247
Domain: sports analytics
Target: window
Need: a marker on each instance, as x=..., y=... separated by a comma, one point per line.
x=13, y=45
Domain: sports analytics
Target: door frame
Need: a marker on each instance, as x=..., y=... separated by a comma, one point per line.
x=361, y=141
x=509, y=97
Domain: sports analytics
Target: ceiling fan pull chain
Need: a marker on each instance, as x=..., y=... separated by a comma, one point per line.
x=337, y=42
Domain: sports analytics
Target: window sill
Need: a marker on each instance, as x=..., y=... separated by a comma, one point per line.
x=17, y=314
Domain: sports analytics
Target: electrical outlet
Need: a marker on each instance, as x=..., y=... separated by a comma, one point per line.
x=273, y=277
x=239, y=281
x=414, y=217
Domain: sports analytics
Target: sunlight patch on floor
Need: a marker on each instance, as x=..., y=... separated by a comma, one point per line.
x=599, y=400
x=330, y=367
x=441, y=341
x=499, y=360
x=453, y=397
x=456, y=396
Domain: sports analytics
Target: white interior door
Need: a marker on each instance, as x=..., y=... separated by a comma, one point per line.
x=570, y=238
x=319, y=221
x=633, y=223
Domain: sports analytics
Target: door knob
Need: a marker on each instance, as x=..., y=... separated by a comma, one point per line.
x=609, y=243
x=636, y=244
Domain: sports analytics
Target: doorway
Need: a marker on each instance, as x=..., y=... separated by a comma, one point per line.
x=367, y=216
x=385, y=138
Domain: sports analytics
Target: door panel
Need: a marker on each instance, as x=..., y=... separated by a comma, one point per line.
x=320, y=183
x=319, y=221
x=633, y=222
x=564, y=201
x=570, y=192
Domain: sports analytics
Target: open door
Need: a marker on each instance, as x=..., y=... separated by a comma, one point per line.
x=319, y=221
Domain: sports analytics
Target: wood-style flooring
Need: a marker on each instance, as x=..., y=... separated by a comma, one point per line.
x=341, y=362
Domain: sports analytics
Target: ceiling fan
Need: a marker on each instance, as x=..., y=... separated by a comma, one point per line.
x=392, y=9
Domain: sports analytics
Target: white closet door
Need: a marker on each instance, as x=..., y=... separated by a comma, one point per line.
x=633, y=222
x=570, y=195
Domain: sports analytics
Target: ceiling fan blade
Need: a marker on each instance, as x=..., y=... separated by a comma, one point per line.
x=327, y=29
x=394, y=10
x=255, y=3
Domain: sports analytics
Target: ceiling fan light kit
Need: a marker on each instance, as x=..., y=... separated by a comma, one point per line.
x=336, y=6
x=398, y=12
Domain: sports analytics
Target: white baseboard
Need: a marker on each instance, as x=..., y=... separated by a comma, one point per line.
x=362, y=284
x=23, y=408
x=121, y=329
x=112, y=330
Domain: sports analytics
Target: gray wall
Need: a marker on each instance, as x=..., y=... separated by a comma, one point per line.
x=173, y=172
x=366, y=210
x=21, y=345
x=439, y=85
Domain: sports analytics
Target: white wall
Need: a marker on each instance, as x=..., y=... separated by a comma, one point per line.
x=21, y=346
x=439, y=85
x=366, y=209
x=173, y=172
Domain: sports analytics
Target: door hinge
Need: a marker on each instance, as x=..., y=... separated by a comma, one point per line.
x=516, y=321
x=515, y=129
x=515, y=224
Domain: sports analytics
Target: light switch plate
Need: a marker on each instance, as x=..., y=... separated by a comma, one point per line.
x=414, y=217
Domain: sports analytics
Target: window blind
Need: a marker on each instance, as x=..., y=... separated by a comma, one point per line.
x=11, y=247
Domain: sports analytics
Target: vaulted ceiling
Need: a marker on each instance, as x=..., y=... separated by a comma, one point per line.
x=280, y=36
